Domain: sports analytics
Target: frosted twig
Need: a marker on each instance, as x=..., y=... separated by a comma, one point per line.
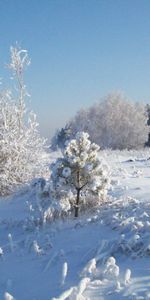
x=64, y=273
x=11, y=242
x=50, y=261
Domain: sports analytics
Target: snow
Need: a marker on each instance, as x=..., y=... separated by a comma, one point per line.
x=102, y=255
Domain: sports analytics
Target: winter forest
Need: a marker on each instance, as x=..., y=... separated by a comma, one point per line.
x=74, y=150
x=75, y=211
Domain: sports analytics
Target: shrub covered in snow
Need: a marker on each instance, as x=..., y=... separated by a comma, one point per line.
x=79, y=178
x=22, y=150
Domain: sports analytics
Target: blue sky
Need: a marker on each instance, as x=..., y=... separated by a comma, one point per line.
x=80, y=50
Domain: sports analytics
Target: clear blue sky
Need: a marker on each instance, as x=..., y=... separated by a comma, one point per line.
x=80, y=50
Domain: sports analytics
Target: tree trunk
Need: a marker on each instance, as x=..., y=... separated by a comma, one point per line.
x=77, y=203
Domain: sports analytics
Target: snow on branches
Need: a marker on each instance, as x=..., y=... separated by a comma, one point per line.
x=115, y=122
x=22, y=150
x=80, y=178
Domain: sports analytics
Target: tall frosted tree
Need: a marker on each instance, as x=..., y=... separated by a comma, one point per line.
x=22, y=150
x=80, y=172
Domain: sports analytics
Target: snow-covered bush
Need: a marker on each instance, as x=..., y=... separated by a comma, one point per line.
x=79, y=175
x=22, y=150
x=115, y=122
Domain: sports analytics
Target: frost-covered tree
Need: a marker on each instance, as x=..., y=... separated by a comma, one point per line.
x=115, y=122
x=22, y=150
x=60, y=138
x=80, y=174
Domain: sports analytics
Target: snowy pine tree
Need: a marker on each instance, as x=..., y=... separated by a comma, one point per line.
x=80, y=173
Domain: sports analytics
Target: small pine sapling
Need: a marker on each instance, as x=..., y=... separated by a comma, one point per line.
x=80, y=174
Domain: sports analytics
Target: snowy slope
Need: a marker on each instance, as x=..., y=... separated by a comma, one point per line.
x=70, y=259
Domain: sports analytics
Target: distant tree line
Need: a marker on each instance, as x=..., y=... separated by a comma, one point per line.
x=115, y=122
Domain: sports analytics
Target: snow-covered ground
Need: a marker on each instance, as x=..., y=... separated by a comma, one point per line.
x=103, y=254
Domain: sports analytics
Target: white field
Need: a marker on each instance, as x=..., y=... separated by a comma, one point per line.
x=71, y=259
